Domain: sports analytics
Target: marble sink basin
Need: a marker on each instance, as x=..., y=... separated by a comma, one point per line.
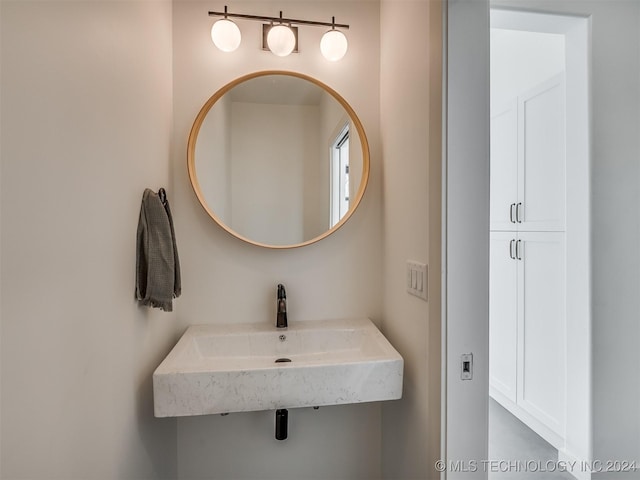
x=247, y=367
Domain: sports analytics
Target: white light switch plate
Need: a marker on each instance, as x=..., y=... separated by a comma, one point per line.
x=417, y=279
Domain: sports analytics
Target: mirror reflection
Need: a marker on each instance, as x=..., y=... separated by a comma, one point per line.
x=278, y=159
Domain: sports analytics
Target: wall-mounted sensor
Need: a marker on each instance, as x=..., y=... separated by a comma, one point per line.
x=466, y=366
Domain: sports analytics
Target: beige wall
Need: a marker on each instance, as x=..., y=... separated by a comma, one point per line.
x=86, y=126
x=269, y=147
x=226, y=280
x=411, y=135
x=212, y=164
x=332, y=120
x=110, y=90
x=1, y=95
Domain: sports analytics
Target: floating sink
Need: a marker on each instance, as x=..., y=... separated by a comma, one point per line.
x=247, y=367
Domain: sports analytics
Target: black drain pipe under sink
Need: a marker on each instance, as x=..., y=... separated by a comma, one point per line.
x=282, y=423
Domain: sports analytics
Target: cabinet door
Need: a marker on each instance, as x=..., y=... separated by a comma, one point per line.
x=541, y=326
x=503, y=314
x=504, y=166
x=541, y=157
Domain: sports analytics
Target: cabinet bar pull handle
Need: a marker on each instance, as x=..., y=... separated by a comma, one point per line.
x=518, y=216
x=511, y=213
x=518, y=250
x=511, y=255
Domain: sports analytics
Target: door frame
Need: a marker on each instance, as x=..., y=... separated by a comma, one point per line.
x=465, y=238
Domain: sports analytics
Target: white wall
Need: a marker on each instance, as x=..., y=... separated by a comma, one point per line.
x=226, y=280
x=615, y=186
x=86, y=126
x=411, y=135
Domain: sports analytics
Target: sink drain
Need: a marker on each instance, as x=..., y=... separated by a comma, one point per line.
x=283, y=360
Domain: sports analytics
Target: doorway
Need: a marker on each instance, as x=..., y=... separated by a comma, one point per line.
x=539, y=308
x=567, y=416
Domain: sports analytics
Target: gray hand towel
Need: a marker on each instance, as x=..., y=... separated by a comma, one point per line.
x=157, y=265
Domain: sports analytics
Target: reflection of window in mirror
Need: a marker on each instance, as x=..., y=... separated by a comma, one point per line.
x=340, y=175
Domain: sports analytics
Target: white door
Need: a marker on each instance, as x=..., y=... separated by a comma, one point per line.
x=503, y=311
x=504, y=166
x=541, y=157
x=541, y=325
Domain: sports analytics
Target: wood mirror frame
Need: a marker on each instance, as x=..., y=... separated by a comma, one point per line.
x=191, y=161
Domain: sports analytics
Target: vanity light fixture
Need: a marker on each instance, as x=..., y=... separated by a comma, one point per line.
x=226, y=34
x=334, y=43
x=281, y=37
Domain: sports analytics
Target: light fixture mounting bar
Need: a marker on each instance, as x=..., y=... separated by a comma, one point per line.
x=290, y=21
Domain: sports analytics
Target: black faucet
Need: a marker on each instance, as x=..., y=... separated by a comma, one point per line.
x=281, y=319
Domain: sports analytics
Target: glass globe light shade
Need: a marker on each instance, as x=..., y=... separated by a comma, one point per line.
x=281, y=40
x=225, y=35
x=333, y=45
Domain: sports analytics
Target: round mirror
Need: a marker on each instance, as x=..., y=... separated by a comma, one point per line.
x=278, y=159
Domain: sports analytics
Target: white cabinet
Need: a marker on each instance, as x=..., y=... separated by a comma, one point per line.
x=504, y=166
x=503, y=308
x=527, y=327
x=528, y=166
x=527, y=312
x=541, y=327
